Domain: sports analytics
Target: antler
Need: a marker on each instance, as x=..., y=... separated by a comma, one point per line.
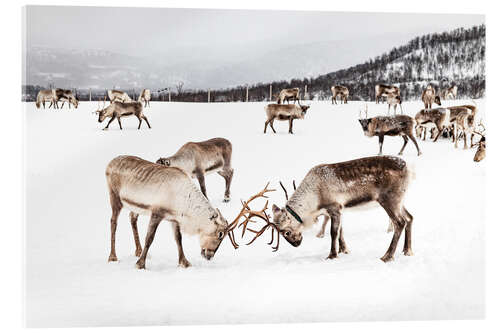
x=230, y=228
x=263, y=215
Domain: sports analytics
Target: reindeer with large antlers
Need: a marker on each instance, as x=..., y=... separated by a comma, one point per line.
x=328, y=189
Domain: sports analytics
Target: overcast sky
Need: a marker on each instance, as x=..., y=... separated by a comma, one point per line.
x=153, y=31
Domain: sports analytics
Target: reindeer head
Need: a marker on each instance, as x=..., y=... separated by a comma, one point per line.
x=100, y=111
x=437, y=100
x=304, y=109
x=211, y=239
x=289, y=227
x=74, y=101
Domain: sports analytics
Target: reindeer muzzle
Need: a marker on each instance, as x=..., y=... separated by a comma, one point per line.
x=207, y=254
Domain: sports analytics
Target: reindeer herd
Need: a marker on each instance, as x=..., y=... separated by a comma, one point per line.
x=164, y=190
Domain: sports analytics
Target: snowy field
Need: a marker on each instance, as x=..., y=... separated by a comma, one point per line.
x=70, y=283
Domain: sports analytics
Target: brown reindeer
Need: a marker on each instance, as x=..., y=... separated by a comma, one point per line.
x=163, y=193
x=429, y=96
x=118, y=110
x=197, y=159
x=451, y=92
x=328, y=189
x=399, y=125
x=47, y=95
x=284, y=112
x=287, y=94
x=341, y=91
x=393, y=101
x=118, y=96
x=382, y=90
x=439, y=116
x=481, y=149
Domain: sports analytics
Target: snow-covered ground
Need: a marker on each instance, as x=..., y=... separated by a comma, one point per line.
x=70, y=283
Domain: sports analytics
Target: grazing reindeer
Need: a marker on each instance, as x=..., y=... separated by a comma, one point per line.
x=164, y=193
x=393, y=100
x=341, y=91
x=287, y=94
x=481, y=149
x=396, y=125
x=450, y=92
x=48, y=95
x=328, y=189
x=440, y=117
x=382, y=90
x=118, y=96
x=284, y=112
x=199, y=158
x=119, y=110
x=145, y=97
x=429, y=96
x=65, y=95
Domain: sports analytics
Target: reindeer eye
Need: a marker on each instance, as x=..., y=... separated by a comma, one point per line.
x=221, y=235
x=287, y=233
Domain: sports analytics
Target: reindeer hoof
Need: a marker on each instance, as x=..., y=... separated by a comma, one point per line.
x=345, y=250
x=320, y=235
x=226, y=199
x=331, y=256
x=112, y=257
x=140, y=264
x=408, y=252
x=184, y=263
x=387, y=258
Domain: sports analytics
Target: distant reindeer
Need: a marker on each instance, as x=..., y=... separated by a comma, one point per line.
x=398, y=125
x=65, y=95
x=47, y=95
x=463, y=124
x=119, y=110
x=429, y=96
x=382, y=90
x=328, y=189
x=287, y=94
x=118, y=96
x=393, y=101
x=341, y=91
x=163, y=193
x=440, y=117
x=197, y=159
x=284, y=112
x=481, y=149
x=451, y=92
x=145, y=97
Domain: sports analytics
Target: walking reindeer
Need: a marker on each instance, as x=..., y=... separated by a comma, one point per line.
x=197, y=159
x=119, y=110
x=328, y=189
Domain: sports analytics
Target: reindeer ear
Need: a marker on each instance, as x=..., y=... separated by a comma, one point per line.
x=276, y=209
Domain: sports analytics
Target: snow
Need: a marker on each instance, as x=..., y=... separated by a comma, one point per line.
x=70, y=283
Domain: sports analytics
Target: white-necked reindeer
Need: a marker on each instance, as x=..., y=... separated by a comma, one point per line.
x=118, y=96
x=119, y=110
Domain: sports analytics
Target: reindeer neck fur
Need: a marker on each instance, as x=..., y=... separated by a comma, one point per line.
x=305, y=201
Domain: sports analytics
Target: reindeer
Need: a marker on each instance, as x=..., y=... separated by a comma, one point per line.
x=393, y=100
x=287, y=94
x=145, y=97
x=481, y=149
x=65, y=95
x=396, y=125
x=284, y=112
x=119, y=110
x=464, y=124
x=440, y=117
x=118, y=96
x=383, y=90
x=328, y=189
x=199, y=158
x=342, y=91
x=429, y=96
x=450, y=92
x=164, y=193
x=47, y=95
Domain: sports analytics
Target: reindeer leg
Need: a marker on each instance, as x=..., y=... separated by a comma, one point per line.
x=272, y=125
x=201, y=179
x=334, y=213
x=227, y=174
x=146, y=119
x=380, y=143
x=120, y=123
x=112, y=118
x=140, y=122
x=399, y=223
x=183, y=262
x=321, y=233
x=265, y=126
x=137, y=240
x=116, y=207
x=440, y=131
x=412, y=138
x=342, y=245
x=407, y=251
x=153, y=225
x=290, y=125
x=405, y=139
